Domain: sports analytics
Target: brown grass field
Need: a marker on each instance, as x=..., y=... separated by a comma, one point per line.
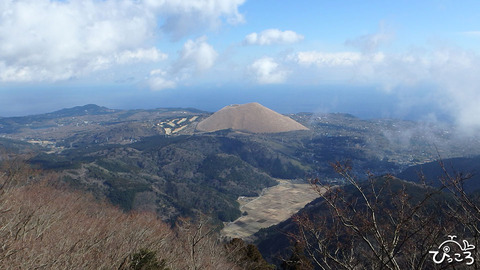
x=274, y=205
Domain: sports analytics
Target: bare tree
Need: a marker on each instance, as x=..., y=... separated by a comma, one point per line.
x=379, y=223
x=199, y=245
x=45, y=226
x=465, y=208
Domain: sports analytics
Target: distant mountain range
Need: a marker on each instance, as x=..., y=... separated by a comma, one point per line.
x=178, y=161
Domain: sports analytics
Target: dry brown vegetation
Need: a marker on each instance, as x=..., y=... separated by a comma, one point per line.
x=44, y=226
x=385, y=223
x=273, y=206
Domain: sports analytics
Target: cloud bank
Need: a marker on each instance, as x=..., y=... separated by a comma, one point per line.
x=450, y=73
x=43, y=40
x=197, y=56
x=272, y=36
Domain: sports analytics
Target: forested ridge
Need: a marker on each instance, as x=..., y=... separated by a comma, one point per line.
x=44, y=224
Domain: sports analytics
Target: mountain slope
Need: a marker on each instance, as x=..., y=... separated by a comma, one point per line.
x=177, y=175
x=275, y=243
x=92, y=124
x=251, y=117
x=432, y=172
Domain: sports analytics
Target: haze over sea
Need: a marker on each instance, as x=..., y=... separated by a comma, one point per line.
x=362, y=102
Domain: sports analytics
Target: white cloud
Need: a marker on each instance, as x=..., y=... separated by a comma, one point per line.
x=455, y=73
x=370, y=43
x=388, y=70
x=451, y=72
x=44, y=40
x=266, y=71
x=50, y=40
x=157, y=80
x=272, y=36
x=340, y=66
x=196, y=56
x=140, y=55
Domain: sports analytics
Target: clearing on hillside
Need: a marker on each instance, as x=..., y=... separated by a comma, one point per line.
x=273, y=206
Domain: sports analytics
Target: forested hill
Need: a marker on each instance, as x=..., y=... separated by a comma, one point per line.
x=176, y=176
x=433, y=172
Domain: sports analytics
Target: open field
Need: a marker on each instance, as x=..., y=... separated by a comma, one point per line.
x=274, y=205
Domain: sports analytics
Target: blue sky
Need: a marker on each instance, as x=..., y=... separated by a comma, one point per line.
x=406, y=59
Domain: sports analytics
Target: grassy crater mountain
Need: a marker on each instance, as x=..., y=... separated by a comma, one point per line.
x=250, y=117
